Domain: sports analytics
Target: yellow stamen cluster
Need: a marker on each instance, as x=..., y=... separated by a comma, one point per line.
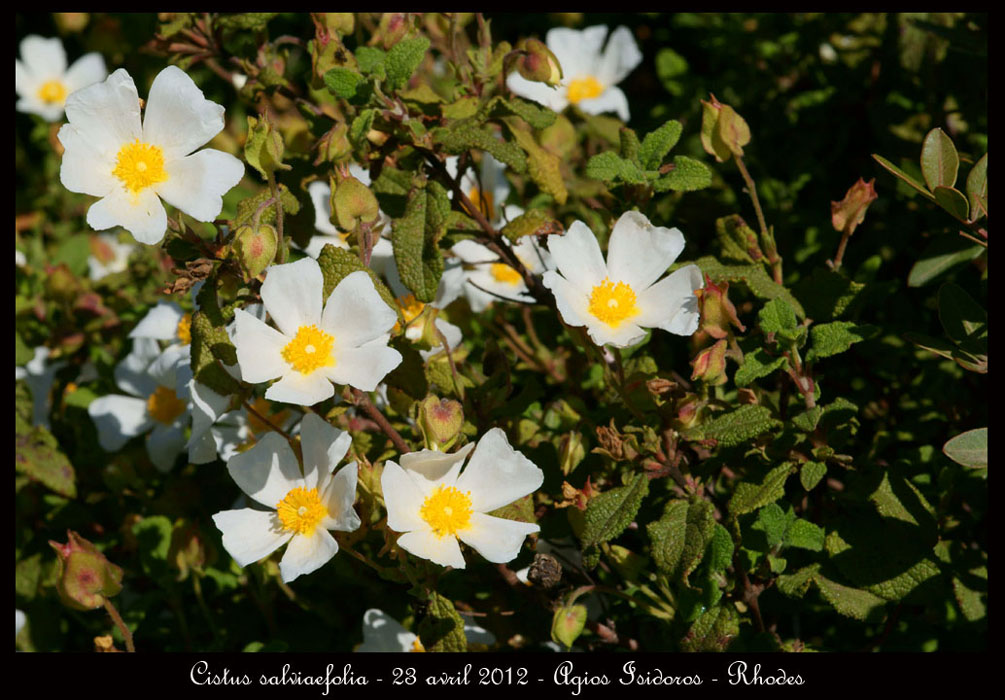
x=447, y=510
x=584, y=89
x=140, y=165
x=311, y=349
x=613, y=303
x=301, y=510
x=417, y=645
x=185, y=329
x=505, y=274
x=52, y=92
x=484, y=201
x=410, y=308
x=164, y=406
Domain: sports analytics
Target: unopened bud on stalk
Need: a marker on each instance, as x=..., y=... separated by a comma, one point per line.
x=710, y=364
x=441, y=421
x=847, y=214
x=334, y=145
x=84, y=576
x=724, y=133
x=717, y=311
x=353, y=202
x=256, y=248
x=539, y=64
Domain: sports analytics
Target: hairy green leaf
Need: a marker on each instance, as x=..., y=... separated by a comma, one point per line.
x=608, y=514
x=753, y=276
x=756, y=365
x=748, y=497
x=736, y=427
x=402, y=60
x=943, y=254
x=834, y=338
x=442, y=628
x=969, y=449
x=687, y=175
x=680, y=536
x=612, y=168
x=977, y=186
x=658, y=143
x=713, y=631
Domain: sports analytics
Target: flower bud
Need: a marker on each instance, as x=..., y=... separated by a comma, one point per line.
x=724, y=133
x=392, y=29
x=568, y=624
x=717, y=311
x=334, y=145
x=189, y=550
x=255, y=248
x=571, y=452
x=264, y=148
x=84, y=576
x=847, y=214
x=710, y=364
x=71, y=21
x=441, y=421
x=353, y=202
x=539, y=64
x=340, y=23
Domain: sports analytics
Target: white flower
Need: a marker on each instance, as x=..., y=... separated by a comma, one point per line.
x=20, y=618
x=39, y=375
x=345, y=342
x=616, y=299
x=488, y=191
x=435, y=506
x=132, y=165
x=158, y=404
x=19, y=259
x=107, y=256
x=381, y=632
x=167, y=322
x=589, y=77
x=42, y=80
x=487, y=278
x=303, y=508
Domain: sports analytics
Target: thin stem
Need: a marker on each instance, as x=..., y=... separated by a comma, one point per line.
x=767, y=239
x=117, y=619
x=978, y=241
x=363, y=400
x=458, y=387
x=845, y=235
x=269, y=423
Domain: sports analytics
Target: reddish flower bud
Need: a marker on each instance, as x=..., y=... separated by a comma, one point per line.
x=847, y=214
x=84, y=576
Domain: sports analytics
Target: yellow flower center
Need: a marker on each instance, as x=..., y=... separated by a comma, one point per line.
x=505, y=274
x=52, y=92
x=410, y=308
x=185, y=329
x=310, y=350
x=164, y=406
x=447, y=510
x=140, y=165
x=584, y=89
x=417, y=645
x=613, y=303
x=301, y=510
x=483, y=201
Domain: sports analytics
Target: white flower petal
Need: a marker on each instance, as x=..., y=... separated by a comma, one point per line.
x=577, y=256
x=497, y=475
x=553, y=98
x=497, y=539
x=402, y=497
x=473, y=253
x=451, y=333
x=292, y=294
x=338, y=496
x=444, y=551
x=259, y=349
x=363, y=367
x=250, y=535
x=671, y=304
x=573, y=305
x=534, y=257
x=320, y=442
x=86, y=168
x=161, y=322
x=86, y=70
x=621, y=57
x=430, y=469
x=478, y=635
x=626, y=334
x=301, y=389
x=202, y=449
x=355, y=314
x=118, y=418
x=382, y=633
x=268, y=471
x=196, y=183
x=612, y=99
x=178, y=118
x=451, y=285
x=307, y=553
x=141, y=214
x=132, y=374
x=638, y=253
x=577, y=51
x=106, y=114
x=44, y=58
x=207, y=408
x=164, y=445
x=320, y=193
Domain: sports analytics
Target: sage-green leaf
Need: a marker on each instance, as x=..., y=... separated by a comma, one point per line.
x=713, y=631
x=962, y=318
x=687, y=175
x=939, y=160
x=833, y=338
x=680, y=536
x=904, y=177
x=753, y=276
x=413, y=238
x=977, y=186
x=748, y=497
x=756, y=365
x=944, y=253
x=811, y=473
x=608, y=514
x=402, y=60
x=344, y=82
x=953, y=201
x=442, y=628
x=612, y=168
x=658, y=143
x=745, y=423
x=969, y=449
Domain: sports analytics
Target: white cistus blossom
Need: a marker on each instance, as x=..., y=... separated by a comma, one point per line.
x=108, y=256
x=437, y=506
x=615, y=300
x=344, y=342
x=132, y=164
x=43, y=82
x=302, y=508
x=590, y=76
x=382, y=633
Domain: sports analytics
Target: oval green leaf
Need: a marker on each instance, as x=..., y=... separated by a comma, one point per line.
x=969, y=449
x=939, y=160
